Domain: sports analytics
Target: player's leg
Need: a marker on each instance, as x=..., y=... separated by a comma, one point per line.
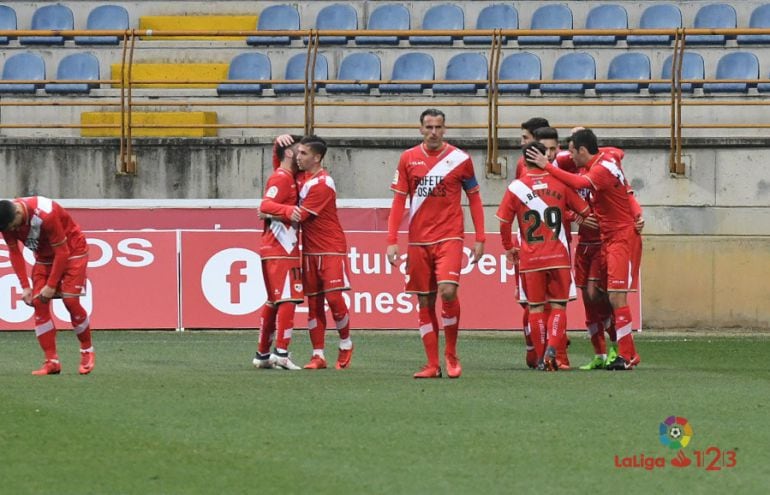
x=535, y=283
x=71, y=288
x=267, y=317
x=448, y=262
x=621, y=274
x=316, y=310
x=420, y=281
x=291, y=295
x=559, y=285
x=336, y=278
x=530, y=356
x=45, y=329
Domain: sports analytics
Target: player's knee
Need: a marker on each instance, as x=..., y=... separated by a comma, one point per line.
x=448, y=292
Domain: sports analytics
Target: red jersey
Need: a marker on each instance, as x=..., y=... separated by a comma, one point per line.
x=279, y=238
x=539, y=201
x=321, y=231
x=560, y=161
x=434, y=180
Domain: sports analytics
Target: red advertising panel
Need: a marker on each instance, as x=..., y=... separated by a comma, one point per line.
x=132, y=283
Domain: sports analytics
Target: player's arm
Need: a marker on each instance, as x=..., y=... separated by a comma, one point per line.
x=397, y=208
x=506, y=213
x=274, y=202
x=636, y=211
x=578, y=207
x=318, y=197
x=572, y=180
x=61, y=253
x=472, y=190
x=17, y=260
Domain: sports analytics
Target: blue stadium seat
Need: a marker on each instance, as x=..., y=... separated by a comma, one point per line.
x=7, y=22
x=692, y=68
x=23, y=67
x=295, y=69
x=603, y=17
x=577, y=65
x=717, y=15
x=440, y=17
x=333, y=17
x=413, y=66
x=548, y=17
x=102, y=18
x=464, y=66
x=734, y=65
x=498, y=16
x=357, y=67
x=519, y=66
x=760, y=18
x=246, y=66
x=657, y=17
x=77, y=66
x=627, y=66
x=390, y=16
x=275, y=18
x=49, y=17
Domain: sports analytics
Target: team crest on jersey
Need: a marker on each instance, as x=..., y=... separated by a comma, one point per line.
x=272, y=192
x=298, y=287
x=395, y=178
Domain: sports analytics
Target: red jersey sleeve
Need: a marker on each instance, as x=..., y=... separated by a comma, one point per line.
x=17, y=259
x=317, y=198
x=506, y=212
x=572, y=180
x=400, y=182
x=576, y=203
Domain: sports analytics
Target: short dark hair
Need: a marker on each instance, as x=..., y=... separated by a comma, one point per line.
x=315, y=143
x=546, y=133
x=534, y=123
x=532, y=144
x=7, y=213
x=281, y=150
x=587, y=139
x=433, y=112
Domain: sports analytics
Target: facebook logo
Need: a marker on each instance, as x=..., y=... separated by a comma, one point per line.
x=232, y=281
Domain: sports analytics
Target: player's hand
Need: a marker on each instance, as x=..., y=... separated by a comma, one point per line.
x=262, y=215
x=26, y=296
x=478, y=252
x=284, y=140
x=296, y=215
x=539, y=159
x=591, y=222
x=47, y=293
x=639, y=225
x=512, y=255
x=392, y=254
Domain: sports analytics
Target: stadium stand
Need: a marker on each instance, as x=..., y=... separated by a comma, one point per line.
x=138, y=119
x=104, y=17
x=519, y=66
x=79, y=67
x=247, y=66
x=392, y=17
x=357, y=67
x=603, y=17
x=173, y=75
x=334, y=17
x=734, y=65
x=275, y=18
x=760, y=18
x=578, y=65
x=498, y=16
x=552, y=16
x=657, y=17
x=295, y=69
x=158, y=23
x=440, y=17
x=464, y=66
x=7, y=22
x=26, y=66
x=692, y=68
x=717, y=15
x=627, y=66
x=49, y=17
x=412, y=66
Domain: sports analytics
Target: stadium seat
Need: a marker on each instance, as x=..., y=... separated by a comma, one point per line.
x=603, y=17
x=717, y=15
x=692, y=68
x=660, y=16
x=760, y=19
x=519, y=66
x=498, y=16
x=411, y=67
x=50, y=17
x=25, y=66
x=247, y=66
x=627, y=66
x=7, y=22
x=295, y=69
x=734, y=65
x=275, y=18
x=333, y=17
x=357, y=67
x=77, y=66
x=440, y=17
x=578, y=65
x=464, y=66
x=548, y=17
x=393, y=17
x=102, y=18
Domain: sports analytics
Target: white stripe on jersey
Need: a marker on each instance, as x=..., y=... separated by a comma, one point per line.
x=286, y=236
x=614, y=170
x=44, y=204
x=441, y=169
x=528, y=198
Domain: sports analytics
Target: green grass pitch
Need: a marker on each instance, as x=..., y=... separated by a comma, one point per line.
x=186, y=413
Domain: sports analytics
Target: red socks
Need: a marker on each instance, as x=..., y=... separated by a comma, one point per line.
x=450, y=314
x=429, y=333
x=285, y=325
x=267, y=328
x=538, y=333
x=626, y=347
